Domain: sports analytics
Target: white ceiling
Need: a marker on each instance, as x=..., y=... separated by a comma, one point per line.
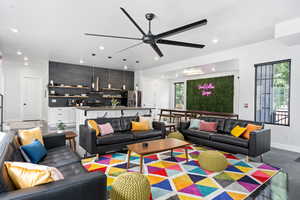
x=53, y=29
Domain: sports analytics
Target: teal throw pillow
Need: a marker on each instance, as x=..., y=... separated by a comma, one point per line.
x=35, y=151
x=195, y=124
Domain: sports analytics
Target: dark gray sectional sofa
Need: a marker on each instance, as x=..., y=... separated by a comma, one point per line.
x=259, y=142
x=77, y=184
x=121, y=137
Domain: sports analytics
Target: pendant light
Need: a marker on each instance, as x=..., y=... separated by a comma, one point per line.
x=108, y=85
x=123, y=86
x=93, y=79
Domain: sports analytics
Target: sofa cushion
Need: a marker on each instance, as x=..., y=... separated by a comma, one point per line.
x=220, y=122
x=197, y=133
x=115, y=123
x=114, y=138
x=231, y=123
x=126, y=122
x=60, y=156
x=228, y=139
x=146, y=134
x=72, y=170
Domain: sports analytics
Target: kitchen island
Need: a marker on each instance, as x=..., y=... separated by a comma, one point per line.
x=86, y=112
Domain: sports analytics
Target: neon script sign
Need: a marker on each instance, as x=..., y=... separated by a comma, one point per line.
x=206, y=89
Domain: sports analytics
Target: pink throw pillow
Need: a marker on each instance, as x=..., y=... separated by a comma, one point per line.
x=105, y=129
x=208, y=126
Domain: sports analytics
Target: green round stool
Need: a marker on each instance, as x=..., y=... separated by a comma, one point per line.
x=212, y=161
x=176, y=135
x=130, y=186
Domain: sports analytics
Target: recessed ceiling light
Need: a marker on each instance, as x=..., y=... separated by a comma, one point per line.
x=125, y=67
x=19, y=53
x=101, y=48
x=213, y=69
x=156, y=58
x=137, y=61
x=25, y=58
x=81, y=61
x=26, y=63
x=109, y=57
x=124, y=59
x=14, y=30
x=93, y=54
x=215, y=41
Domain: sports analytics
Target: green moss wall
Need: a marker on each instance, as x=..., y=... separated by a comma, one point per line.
x=221, y=99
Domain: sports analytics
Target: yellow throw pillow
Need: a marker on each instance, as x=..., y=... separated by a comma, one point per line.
x=140, y=126
x=28, y=136
x=93, y=125
x=149, y=119
x=26, y=175
x=237, y=131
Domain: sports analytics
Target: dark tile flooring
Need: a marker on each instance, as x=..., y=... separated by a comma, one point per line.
x=288, y=162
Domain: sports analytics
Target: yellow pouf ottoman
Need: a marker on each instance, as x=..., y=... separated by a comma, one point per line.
x=130, y=186
x=212, y=161
x=176, y=135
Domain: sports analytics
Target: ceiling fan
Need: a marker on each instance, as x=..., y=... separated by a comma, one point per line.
x=153, y=40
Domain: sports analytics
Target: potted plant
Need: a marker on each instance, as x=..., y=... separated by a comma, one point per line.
x=114, y=102
x=61, y=127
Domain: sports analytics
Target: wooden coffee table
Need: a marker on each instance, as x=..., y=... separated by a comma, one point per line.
x=155, y=146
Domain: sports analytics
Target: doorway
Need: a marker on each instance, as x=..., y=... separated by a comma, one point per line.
x=31, y=98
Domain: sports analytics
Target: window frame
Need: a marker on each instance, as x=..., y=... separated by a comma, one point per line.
x=176, y=83
x=289, y=82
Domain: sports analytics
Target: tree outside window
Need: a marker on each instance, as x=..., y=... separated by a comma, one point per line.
x=179, y=95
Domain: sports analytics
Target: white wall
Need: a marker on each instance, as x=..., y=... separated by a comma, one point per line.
x=1, y=76
x=13, y=74
x=271, y=50
x=155, y=91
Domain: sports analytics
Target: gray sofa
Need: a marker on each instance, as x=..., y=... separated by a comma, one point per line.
x=121, y=137
x=77, y=184
x=259, y=142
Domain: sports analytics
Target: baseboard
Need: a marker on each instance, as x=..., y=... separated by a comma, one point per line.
x=286, y=147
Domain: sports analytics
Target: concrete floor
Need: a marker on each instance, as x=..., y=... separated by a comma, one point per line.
x=286, y=161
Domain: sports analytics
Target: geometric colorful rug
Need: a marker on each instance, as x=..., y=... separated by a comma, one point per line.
x=174, y=178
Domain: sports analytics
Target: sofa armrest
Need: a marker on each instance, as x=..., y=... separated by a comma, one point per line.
x=259, y=142
x=90, y=186
x=184, y=125
x=160, y=126
x=87, y=139
x=54, y=140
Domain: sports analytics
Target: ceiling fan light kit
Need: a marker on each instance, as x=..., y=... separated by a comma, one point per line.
x=153, y=40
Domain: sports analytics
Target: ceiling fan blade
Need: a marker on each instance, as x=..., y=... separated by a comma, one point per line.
x=132, y=20
x=156, y=49
x=176, y=43
x=181, y=29
x=135, y=45
x=112, y=36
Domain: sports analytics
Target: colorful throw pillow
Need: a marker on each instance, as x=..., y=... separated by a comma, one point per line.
x=140, y=126
x=93, y=125
x=148, y=119
x=194, y=124
x=34, y=151
x=237, y=131
x=25, y=175
x=28, y=136
x=106, y=129
x=208, y=126
x=250, y=128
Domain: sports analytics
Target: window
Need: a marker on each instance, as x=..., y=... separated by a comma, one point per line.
x=179, y=95
x=272, y=92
